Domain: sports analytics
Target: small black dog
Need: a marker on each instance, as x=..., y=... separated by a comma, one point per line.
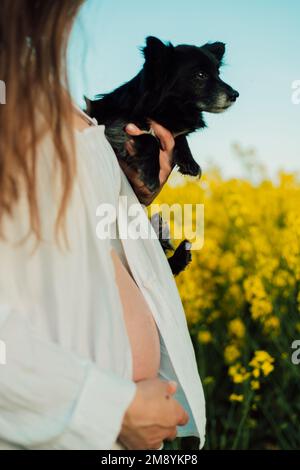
x=175, y=86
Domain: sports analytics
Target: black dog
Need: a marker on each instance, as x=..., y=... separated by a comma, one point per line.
x=175, y=86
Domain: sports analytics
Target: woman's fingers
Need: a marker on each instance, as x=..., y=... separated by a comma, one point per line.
x=129, y=145
x=161, y=435
x=171, y=388
x=183, y=417
x=164, y=135
x=172, y=434
x=167, y=142
x=132, y=129
x=165, y=167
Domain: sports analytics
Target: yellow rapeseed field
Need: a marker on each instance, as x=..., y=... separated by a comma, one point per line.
x=241, y=295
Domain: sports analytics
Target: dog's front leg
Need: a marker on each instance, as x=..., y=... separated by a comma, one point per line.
x=146, y=157
x=181, y=258
x=184, y=159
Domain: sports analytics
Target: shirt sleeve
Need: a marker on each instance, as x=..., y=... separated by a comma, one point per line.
x=51, y=398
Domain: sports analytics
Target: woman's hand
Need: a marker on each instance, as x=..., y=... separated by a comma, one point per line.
x=153, y=416
x=167, y=143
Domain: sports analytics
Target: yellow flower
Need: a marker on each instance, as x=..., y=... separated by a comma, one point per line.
x=205, y=337
x=238, y=378
x=260, y=308
x=192, y=316
x=215, y=315
x=255, y=385
x=262, y=356
x=238, y=373
x=271, y=325
x=267, y=368
x=236, y=328
x=231, y=353
x=254, y=288
x=236, y=398
x=234, y=369
x=236, y=273
x=208, y=380
x=262, y=362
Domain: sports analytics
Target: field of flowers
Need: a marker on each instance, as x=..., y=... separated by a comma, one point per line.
x=241, y=295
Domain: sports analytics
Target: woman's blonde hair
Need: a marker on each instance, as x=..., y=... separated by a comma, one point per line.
x=33, y=41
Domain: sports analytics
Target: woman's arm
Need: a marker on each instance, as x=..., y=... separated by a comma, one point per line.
x=51, y=398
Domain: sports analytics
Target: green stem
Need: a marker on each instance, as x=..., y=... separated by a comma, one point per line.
x=242, y=422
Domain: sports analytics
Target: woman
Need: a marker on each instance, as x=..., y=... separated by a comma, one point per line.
x=93, y=348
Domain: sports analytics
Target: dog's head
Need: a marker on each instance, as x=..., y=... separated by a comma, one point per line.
x=189, y=71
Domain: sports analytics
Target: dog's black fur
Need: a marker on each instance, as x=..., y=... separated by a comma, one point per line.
x=182, y=256
x=175, y=86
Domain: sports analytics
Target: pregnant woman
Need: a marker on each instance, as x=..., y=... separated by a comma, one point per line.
x=98, y=354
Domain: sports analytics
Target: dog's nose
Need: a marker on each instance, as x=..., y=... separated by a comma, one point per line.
x=234, y=95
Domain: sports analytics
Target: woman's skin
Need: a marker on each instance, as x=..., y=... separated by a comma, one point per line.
x=154, y=414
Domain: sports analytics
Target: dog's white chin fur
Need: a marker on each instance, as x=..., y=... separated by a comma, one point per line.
x=218, y=110
x=221, y=105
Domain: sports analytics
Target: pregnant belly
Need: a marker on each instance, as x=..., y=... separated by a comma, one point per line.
x=141, y=327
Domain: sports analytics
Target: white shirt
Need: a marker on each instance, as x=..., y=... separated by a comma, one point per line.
x=67, y=379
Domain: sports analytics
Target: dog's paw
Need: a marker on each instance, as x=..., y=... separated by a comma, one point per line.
x=181, y=258
x=190, y=168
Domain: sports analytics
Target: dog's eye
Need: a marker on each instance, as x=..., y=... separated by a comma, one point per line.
x=202, y=75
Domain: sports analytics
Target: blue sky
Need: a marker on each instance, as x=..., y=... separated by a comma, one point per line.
x=262, y=61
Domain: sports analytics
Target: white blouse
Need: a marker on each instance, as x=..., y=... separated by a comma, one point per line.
x=66, y=382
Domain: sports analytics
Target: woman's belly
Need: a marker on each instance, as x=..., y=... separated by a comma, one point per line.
x=141, y=327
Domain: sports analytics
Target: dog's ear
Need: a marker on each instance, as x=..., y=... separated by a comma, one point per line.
x=154, y=48
x=156, y=52
x=158, y=60
x=217, y=49
x=158, y=57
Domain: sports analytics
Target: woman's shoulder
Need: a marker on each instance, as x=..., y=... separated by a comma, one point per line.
x=97, y=162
